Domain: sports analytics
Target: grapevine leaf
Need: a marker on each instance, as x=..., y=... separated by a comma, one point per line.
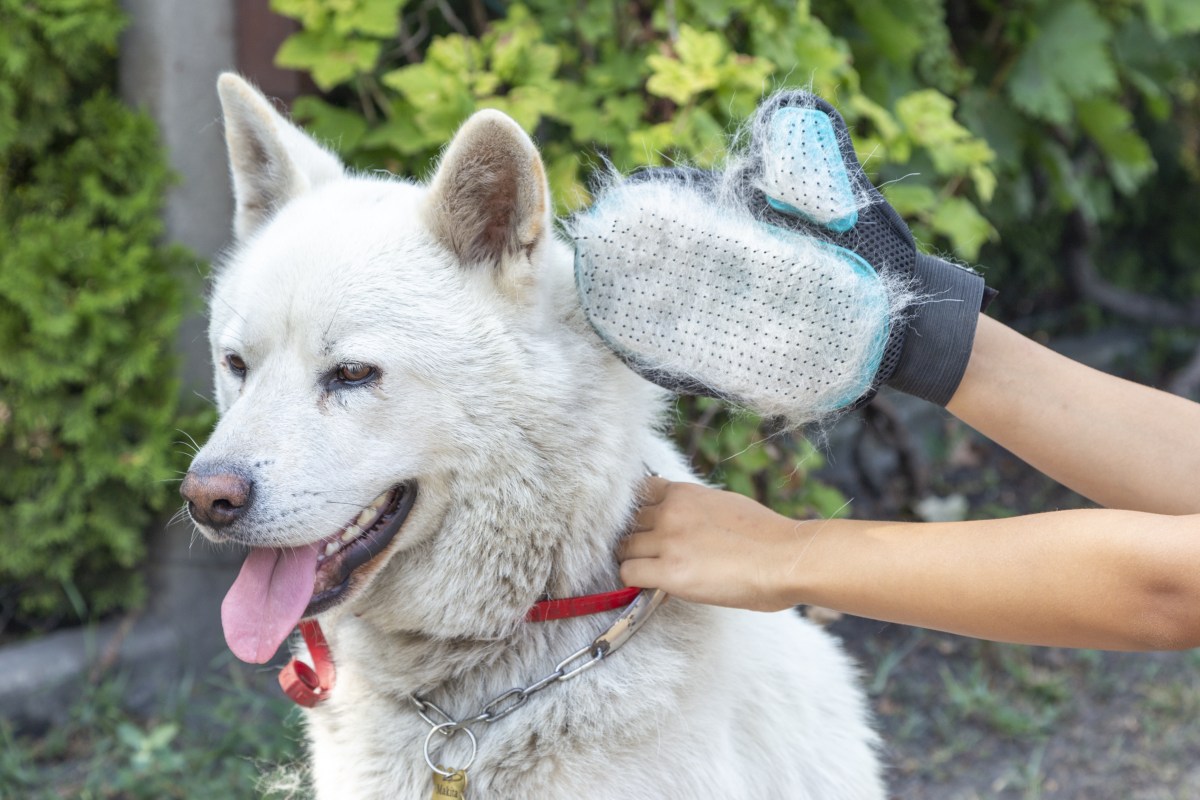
x=1067, y=60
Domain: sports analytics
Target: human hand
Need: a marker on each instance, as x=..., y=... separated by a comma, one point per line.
x=711, y=546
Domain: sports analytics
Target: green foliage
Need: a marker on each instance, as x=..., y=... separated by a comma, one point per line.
x=89, y=306
x=645, y=83
x=1090, y=106
x=752, y=457
x=215, y=742
x=1014, y=697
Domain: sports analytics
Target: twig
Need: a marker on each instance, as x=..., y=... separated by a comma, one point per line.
x=699, y=427
x=479, y=17
x=452, y=18
x=409, y=43
x=1086, y=279
x=112, y=648
x=672, y=21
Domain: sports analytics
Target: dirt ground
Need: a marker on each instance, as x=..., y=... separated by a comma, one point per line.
x=967, y=720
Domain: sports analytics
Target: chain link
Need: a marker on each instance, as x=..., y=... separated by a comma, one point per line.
x=504, y=704
x=570, y=667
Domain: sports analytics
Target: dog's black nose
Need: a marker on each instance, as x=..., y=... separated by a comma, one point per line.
x=216, y=497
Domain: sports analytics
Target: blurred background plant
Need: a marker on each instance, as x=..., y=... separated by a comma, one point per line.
x=90, y=303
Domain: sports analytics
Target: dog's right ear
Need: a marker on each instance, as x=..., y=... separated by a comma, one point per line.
x=271, y=160
x=488, y=201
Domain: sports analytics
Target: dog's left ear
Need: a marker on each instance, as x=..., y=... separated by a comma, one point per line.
x=488, y=201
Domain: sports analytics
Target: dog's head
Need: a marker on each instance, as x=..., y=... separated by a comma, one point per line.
x=368, y=334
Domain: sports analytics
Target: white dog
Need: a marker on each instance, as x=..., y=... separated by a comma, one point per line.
x=421, y=437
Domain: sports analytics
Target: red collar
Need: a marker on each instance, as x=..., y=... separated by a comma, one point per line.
x=548, y=610
x=308, y=686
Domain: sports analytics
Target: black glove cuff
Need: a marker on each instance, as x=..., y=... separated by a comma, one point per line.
x=941, y=331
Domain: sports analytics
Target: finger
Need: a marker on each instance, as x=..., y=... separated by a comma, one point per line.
x=645, y=519
x=652, y=491
x=639, y=573
x=637, y=545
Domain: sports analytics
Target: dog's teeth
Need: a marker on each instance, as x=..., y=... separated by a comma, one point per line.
x=352, y=532
x=368, y=514
x=332, y=548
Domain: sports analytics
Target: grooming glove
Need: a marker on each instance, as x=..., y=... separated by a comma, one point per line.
x=785, y=283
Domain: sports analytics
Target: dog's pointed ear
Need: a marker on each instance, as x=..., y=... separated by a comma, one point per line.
x=271, y=160
x=488, y=201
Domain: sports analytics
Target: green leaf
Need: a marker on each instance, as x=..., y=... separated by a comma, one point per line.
x=928, y=116
x=1174, y=17
x=691, y=71
x=329, y=58
x=378, y=18
x=1067, y=60
x=910, y=199
x=338, y=127
x=1111, y=125
x=959, y=221
x=310, y=13
x=716, y=13
x=517, y=53
x=562, y=173
x=525, y=104
x=896, y=39
x=826, y=500
x=739, y=482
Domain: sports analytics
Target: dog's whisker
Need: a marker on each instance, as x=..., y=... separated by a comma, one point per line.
x=190, y=438
x=208, y=400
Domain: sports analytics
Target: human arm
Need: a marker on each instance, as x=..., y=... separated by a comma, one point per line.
x=1120, y=444
x=1110, y=579
x=1119, y=579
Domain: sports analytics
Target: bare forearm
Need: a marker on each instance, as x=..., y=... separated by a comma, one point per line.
x=1097, y=578
x=1122, y=580
x=1118, y=443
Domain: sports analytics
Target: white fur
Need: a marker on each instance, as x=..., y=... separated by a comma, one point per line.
x=527, y=439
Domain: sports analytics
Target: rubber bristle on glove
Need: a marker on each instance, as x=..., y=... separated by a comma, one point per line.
x=694, y=292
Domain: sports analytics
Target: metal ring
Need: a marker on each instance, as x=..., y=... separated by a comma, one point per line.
x=438, y=729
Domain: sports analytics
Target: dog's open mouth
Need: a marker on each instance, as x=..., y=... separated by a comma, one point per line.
x=277, y=587
x=359, y=542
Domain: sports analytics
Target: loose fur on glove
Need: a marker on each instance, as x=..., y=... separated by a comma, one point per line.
x=682, y=276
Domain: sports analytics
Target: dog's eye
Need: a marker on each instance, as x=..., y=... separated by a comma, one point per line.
x=236, y=365
x=356, y=374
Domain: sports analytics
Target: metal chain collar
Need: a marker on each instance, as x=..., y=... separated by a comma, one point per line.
x=583, y=659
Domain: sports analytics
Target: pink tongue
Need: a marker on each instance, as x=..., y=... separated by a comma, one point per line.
x=267, y=599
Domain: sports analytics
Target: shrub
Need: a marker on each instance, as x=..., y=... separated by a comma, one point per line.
x=89, y=307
